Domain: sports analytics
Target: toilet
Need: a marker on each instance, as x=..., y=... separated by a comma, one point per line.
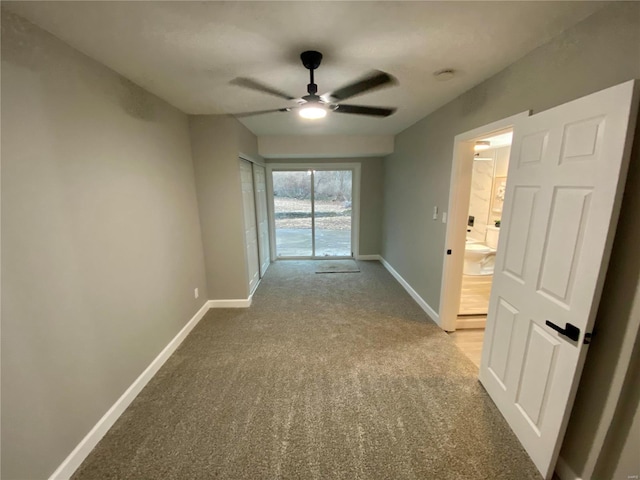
x=479, y=259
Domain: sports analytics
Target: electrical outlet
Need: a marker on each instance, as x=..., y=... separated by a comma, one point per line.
x=195, y=293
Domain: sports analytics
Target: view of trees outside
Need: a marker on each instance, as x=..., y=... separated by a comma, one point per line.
x=332, y=202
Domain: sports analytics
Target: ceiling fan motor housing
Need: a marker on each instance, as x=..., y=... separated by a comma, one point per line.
x=311, y=59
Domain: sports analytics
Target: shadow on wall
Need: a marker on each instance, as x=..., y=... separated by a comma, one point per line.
x=20, y=48
x=612, y=465
x=135, y=101
x=615, y=313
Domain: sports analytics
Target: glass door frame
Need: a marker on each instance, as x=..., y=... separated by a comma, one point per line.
x=355, y=204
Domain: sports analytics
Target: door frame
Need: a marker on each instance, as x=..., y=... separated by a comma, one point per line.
x=458, y=209
x=260, y=258
x=355, y=201
x=253, y=161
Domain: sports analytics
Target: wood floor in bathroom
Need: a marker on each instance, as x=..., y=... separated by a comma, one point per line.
x=474, y=297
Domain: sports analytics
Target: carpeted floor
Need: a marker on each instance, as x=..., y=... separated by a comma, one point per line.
x=336, y=266
x=324, y=377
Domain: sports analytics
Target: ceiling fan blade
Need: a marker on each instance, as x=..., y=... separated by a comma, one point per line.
x=376, y=79
x=363, y=110
x=260, y=87
x=262, y=112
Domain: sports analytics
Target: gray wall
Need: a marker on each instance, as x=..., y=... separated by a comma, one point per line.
x=601, y=51
x=216, y=143
x=101, y=245
x=371, y=185
x=620, y=459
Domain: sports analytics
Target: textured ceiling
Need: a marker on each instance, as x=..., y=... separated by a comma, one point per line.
x=188, y=52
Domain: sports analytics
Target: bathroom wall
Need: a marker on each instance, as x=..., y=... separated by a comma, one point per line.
x=480, y=196
x=500, y=168
x=483, y=204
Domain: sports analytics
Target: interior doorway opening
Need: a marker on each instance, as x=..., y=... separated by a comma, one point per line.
x=489, y=169
x=486, y=198
x=478, y=183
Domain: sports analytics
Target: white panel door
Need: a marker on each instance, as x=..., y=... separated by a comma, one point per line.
x=565, y=182
x=260, y=183
x=250, y=230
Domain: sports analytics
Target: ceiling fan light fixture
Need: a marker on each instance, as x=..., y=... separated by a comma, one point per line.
x=313, y=106
x=312, y=112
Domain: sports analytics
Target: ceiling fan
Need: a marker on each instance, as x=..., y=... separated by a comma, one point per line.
x=314, y=106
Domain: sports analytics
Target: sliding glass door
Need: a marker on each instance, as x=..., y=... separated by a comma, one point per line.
x=332, y=212
x=313, y=213
x=293, y=214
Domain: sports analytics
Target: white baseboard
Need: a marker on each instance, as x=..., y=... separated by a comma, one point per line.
x=419, y=300
x=77, y=456
x=368, y=257
x=564, y=471
x=238, y=303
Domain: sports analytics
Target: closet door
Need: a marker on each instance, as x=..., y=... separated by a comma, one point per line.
x=260, y=184
x=250, y=230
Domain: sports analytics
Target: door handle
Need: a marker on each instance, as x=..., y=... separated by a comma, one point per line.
x=570, y=331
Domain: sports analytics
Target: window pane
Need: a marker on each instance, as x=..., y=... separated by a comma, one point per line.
x=332, y=191
x=292, y=208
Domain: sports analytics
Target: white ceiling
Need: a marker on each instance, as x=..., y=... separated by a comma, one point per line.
x=188, y=52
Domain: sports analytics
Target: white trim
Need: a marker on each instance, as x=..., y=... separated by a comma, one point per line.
x=314, y=147
x=369, y=257
x=419, y=300
x=82, y=450
x=236, y=303
x=458, y=209
x=250, y=158
x=564, y=471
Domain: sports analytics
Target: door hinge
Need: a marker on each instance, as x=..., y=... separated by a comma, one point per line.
x=588, y=336
x=449, y=252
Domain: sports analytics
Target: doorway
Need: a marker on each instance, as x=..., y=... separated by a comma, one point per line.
x=478, y=182
x=314, y=210
x=486, y=197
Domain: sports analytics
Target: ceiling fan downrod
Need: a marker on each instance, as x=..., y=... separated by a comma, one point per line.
x=311, y=60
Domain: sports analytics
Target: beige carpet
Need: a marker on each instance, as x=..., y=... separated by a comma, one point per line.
x=324, y=377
